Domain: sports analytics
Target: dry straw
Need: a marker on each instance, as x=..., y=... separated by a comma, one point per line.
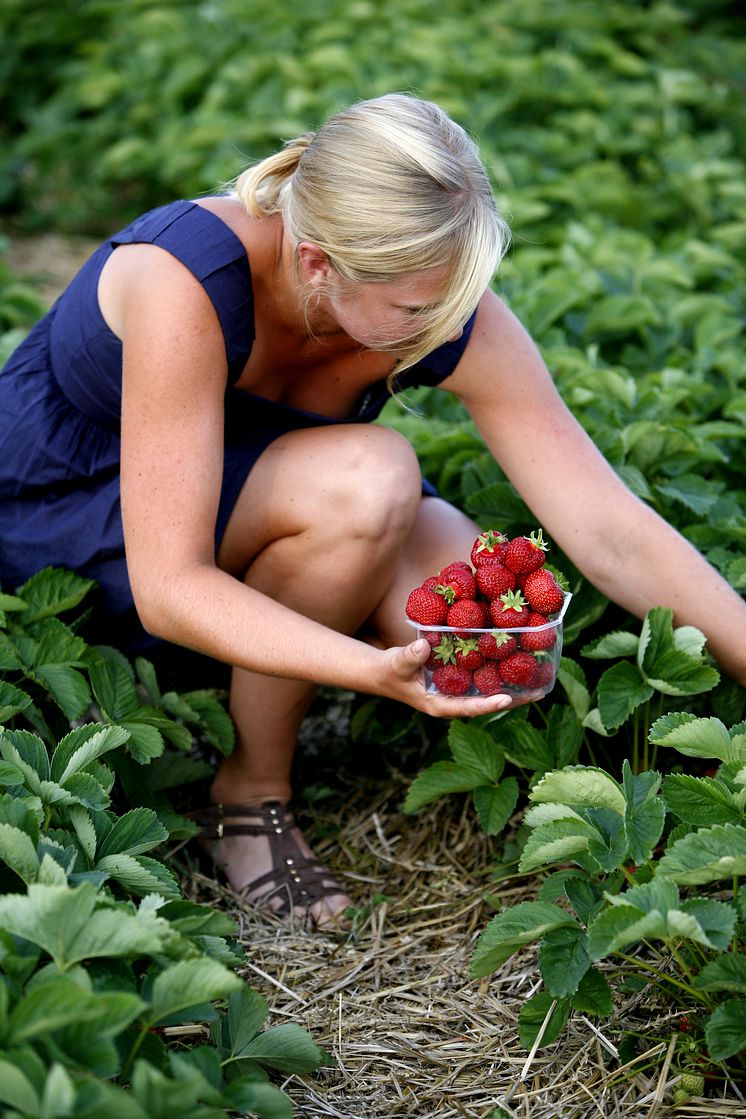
x=411, y=1034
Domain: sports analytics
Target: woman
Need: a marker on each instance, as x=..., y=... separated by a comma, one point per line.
x=240, y=344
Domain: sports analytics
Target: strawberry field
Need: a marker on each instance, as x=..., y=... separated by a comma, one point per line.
x=544, y=899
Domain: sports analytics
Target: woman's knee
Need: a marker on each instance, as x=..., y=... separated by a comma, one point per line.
x=376, y=482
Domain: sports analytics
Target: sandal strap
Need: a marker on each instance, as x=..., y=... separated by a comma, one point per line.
x=296, y=879
x=272, y=818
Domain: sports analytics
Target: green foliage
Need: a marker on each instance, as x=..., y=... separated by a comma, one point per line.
x=100, y=955
x=622, y=890
x=615, y=135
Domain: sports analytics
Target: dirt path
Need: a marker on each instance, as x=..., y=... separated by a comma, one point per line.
x=48, y=259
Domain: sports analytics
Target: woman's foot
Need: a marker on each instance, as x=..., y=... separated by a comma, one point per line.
x=266, y=859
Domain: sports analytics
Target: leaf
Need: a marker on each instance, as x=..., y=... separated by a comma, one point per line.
x=617, y=644
x=725, y=973
x=533, y=1016
x=475, y=749
x=19, y=853
x=287, y=1049
x=52, y=591
x=510, y=930
x=187, y=984
x=669, y=669
x=621, y=690
x=697, y=738
x=63, y=921
x=28, y=753
x=525, y=746
x=594, y=995
x=10, y=774
x=495, y=804
x=618, y=927
x=83, y=827
x=564, y=960
x=247, y=1013
x=570, y=675
x=716, y=919
x=707, y=855
x=67, y=686
x=214, y=721
x=725, y=1032
x=58, y=1097
x=192, y=919
x=645, y=814
x=564, y=736
x=561, y=840
x=12, y=701
x=700, y=800
x=250, y=1098
x=17, y=1090
x=50, y=1006
x=696, y=493
x=145, y=742
x=580, y=785
x=140, y=875
x=438, y=780
x=585, y=897
x=84, y=745
x=136, y=831
x=87, y=791
x=114, y=689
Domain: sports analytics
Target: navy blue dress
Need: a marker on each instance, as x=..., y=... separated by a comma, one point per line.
x=60, y=398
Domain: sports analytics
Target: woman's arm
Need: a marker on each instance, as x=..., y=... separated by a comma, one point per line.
x=619, y=543
x=174, y=379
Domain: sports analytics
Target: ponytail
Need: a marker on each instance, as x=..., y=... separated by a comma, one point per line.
x=260, y=187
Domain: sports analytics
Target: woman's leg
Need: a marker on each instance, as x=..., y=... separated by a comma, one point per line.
x=320, y=526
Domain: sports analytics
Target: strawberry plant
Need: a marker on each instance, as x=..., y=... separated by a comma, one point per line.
x=104, y=966
x=626, y=850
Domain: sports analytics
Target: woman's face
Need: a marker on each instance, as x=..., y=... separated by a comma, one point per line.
x=378, y=315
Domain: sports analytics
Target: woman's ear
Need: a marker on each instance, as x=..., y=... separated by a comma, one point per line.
x=315, y=266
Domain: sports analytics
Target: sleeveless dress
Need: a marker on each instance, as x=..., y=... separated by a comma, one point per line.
x=60, y=397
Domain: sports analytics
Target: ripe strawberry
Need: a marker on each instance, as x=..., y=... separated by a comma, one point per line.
x=487, y=680
x=509, y=610
x=467, y=613
x=543, y=592
x=467, y=653
x=488, y=546
x=542, y=638
x=520, y=670
x=544, y=674
x=496, y=646
x=442, y=649
x=460, y=579
x=426, y=607
x=452, y=679
x=494, y=579
x=525, y=553
x=431, y=582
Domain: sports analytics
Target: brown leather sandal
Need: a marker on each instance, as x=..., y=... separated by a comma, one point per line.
x=295, y=881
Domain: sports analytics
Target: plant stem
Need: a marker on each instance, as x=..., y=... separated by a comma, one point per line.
x=134, y=1051
x=696, y=995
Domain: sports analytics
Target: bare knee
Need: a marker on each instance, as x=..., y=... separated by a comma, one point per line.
x=375, y=486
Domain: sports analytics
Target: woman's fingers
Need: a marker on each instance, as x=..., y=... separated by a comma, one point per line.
x=406, y=663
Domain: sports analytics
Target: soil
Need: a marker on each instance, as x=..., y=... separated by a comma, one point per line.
x=48, y=260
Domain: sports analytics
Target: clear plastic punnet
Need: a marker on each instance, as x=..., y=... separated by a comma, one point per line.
x=519, y=661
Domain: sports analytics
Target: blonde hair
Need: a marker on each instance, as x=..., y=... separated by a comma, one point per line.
x=389, y=187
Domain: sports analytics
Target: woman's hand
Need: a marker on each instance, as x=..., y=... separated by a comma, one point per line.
x=401, y=679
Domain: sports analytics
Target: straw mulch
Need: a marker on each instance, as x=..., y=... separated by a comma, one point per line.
x=411, y=1034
